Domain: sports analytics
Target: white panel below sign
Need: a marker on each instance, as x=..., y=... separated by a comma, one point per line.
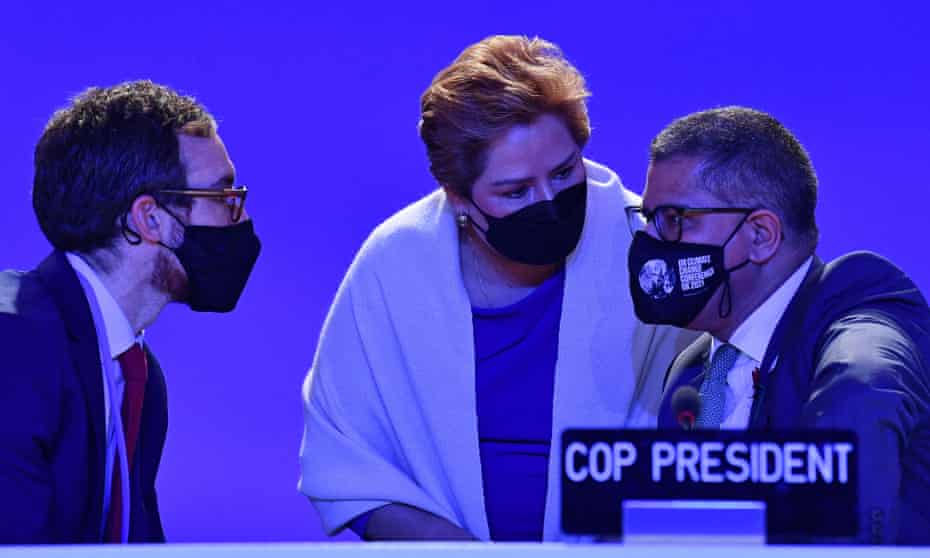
x=693, y=522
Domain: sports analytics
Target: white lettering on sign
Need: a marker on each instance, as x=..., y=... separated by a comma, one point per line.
x=737, y=454
x=794, y=462
x=710, y=463
x=599, y=462
x=602, y=461
x=771, y=462
x=624, y=456
x=713, y=462
x=687, y=460
x=663, y=455
x=820, y=464
x=843, y=461
x=573, y=449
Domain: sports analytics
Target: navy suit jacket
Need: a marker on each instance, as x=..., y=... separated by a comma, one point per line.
x=52, y=446
x=852, y=351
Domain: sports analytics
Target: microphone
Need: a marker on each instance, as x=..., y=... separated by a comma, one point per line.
x=686, y=404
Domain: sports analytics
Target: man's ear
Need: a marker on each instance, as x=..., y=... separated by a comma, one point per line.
x=147, y=221
x=766, y=235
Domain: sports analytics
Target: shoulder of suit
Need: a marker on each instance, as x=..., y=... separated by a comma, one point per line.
x=24, y=296
x=863, y=269
x=30, y=321
x=33, y=337
x=863, y=283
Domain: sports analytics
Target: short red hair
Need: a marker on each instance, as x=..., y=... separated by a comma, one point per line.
x=493, y=85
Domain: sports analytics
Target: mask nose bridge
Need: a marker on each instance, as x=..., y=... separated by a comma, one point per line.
x=547, y=192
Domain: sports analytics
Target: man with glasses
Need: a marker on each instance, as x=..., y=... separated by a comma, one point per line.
x=135, y=191
x=727, y=228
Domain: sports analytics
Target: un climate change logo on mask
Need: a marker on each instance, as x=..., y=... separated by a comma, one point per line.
x=656, y=279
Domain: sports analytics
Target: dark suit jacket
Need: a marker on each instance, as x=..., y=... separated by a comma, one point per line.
x=852, y=351
x=52, y=416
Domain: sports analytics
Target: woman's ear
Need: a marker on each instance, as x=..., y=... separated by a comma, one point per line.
x=766, y=235
x=464, y=209
x=458, y=203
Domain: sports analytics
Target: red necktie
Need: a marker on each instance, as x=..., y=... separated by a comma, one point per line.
x=135, y=373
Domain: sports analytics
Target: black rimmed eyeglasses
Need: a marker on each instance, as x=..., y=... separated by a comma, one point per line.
x=233, y=197
x=668, y=218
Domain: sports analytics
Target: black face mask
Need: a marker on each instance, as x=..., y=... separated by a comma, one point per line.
x=543, y=233
x=218, y=261
x=671, y=282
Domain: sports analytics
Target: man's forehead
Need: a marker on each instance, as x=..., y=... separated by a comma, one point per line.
x=206, y=162
x=672, y=182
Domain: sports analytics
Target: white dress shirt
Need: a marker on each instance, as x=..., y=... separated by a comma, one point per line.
x=752, y=339
x=114, y=336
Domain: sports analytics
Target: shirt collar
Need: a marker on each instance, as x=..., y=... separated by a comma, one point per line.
x=116, y=326
x=753, y=335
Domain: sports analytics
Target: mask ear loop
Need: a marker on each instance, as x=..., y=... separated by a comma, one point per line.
x=726, y=298
x=725, y=307
x=136, y=238
x=175, y=217
x=473, y=222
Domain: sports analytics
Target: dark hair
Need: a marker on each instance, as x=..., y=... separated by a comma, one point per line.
x=492, y=86
x=747, y=158
x=110, y=146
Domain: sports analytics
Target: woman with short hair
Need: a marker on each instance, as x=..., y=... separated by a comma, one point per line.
x=480, y=321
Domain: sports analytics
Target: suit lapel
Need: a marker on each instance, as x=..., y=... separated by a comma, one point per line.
x=690, y=365
x=686, y=370
x=63, y=284
x=788, y=334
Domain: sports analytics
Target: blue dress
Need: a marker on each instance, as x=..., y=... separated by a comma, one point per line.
x=516, y=348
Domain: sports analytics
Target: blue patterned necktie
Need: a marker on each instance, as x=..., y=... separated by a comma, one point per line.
x=714, y=388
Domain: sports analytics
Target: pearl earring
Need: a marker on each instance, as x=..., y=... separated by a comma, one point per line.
x=462, y=220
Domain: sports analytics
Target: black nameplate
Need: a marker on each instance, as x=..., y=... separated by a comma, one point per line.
x=806, y=478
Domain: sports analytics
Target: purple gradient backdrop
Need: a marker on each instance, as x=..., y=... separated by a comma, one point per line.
x=318, y=107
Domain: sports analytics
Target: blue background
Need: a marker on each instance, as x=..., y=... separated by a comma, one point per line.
x=318, y=106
